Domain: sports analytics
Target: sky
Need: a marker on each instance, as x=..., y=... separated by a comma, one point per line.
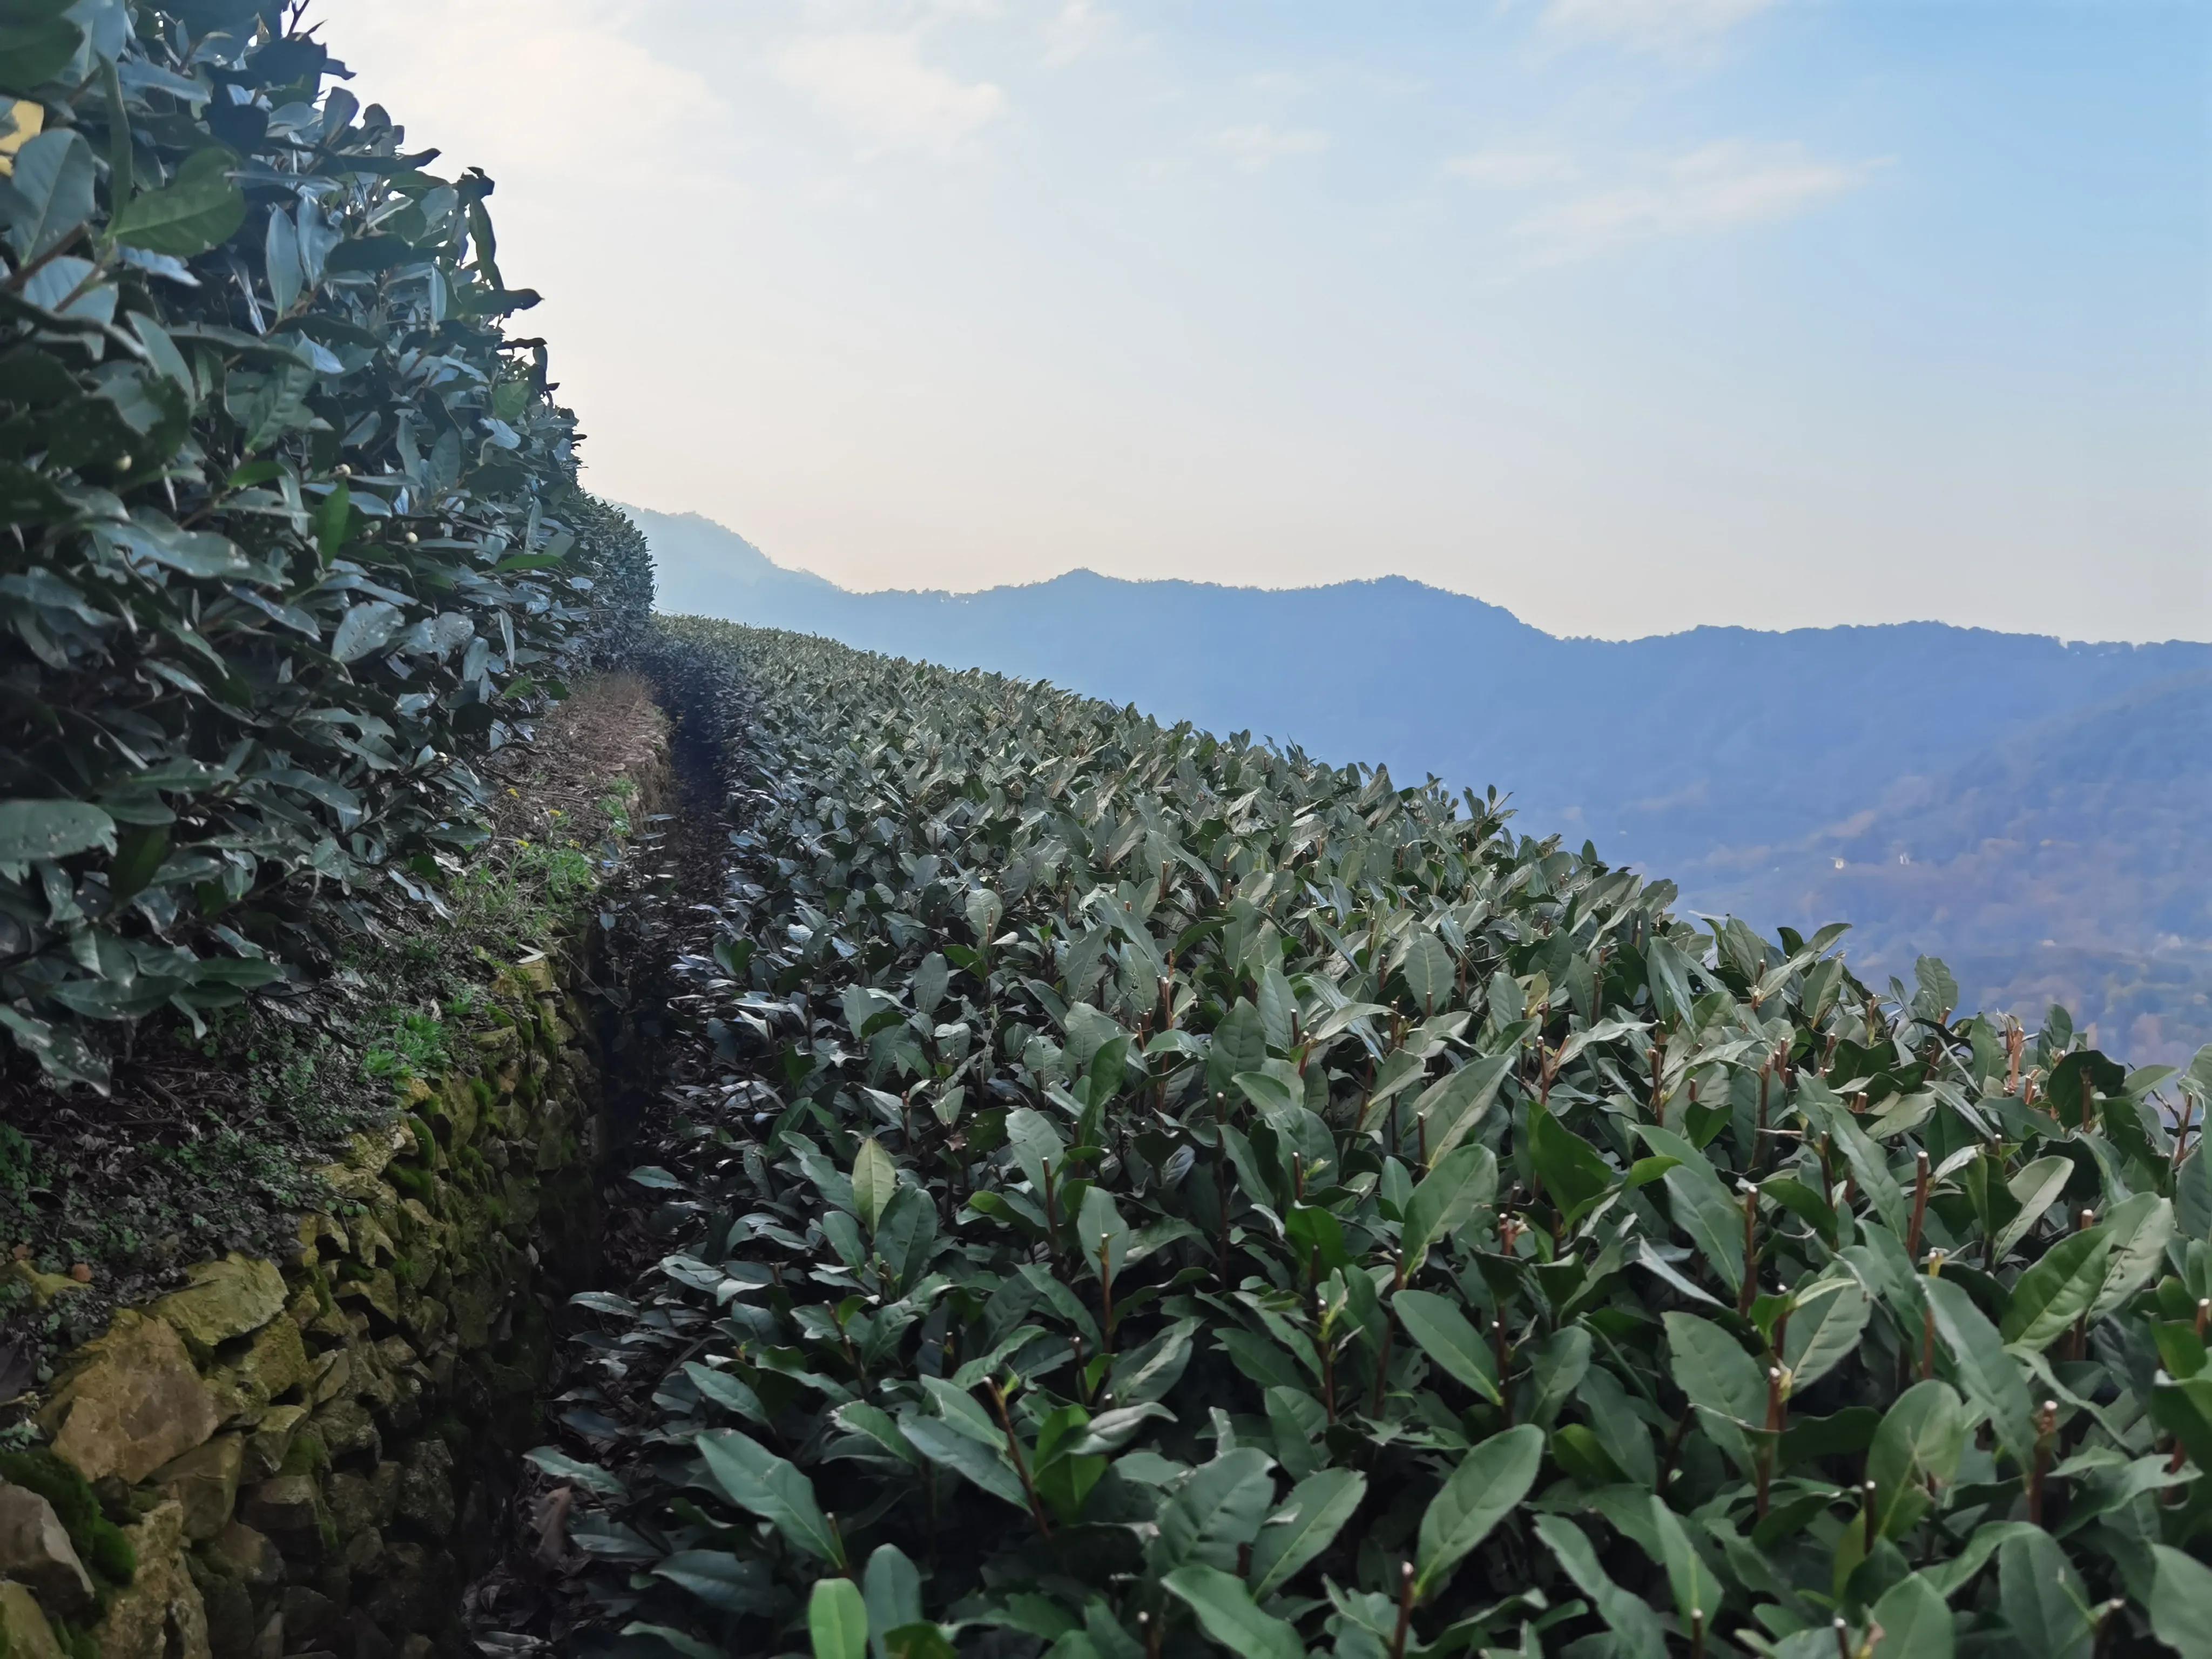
x=1628, y=315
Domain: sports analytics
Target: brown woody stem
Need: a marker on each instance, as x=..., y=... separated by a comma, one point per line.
x=1021, y=1463
x=1405, y=1611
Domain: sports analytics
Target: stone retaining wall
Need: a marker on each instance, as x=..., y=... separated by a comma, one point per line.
x=313, y=1456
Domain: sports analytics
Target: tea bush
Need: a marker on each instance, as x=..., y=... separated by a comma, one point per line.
x=294, y=526
x=1162, y=1192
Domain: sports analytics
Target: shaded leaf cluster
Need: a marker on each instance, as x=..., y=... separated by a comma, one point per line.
x=293, y=535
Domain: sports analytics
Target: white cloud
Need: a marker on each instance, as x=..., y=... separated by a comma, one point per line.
x=1717, y=187
x=1651, y=25
x=1077, y=29
x=878, y=88
x=518, y=86
x=1513, y=169
x=1260, y=146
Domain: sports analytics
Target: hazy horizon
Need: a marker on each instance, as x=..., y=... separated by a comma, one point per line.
x=1041, y=579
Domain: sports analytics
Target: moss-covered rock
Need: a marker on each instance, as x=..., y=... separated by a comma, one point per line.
x=463, y=1111
x=24, y=1632
x=204, y=1484
x=133, y=1403
x=99, y=1544
x=347, y=1429
x=269, y=1440
x=263, y=1429
x=233, y=1298
x=161, y=1615
x=239, y=1552
x=379, y=1290
x=274, y=1364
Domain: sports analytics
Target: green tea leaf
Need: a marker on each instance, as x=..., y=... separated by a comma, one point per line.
x=52, y=829
x=2141, y=1226
x=1627, y=1616
x=1922, y=1436
x=875, y=1182
x=1102, y=1233
x=1430, y=973
x=2058, y=1290
x=892, y=1589
x=1444, y=1335
x=1216, y=1511
x=53, y=178
x=1305, y=1525
x=2035, y=1188
x=1488, y=1485
x=199, y=209
x=2045, y=1608
x=2181, y=1603
x=1988, y=1374
x=1822, y=1336
x=1697, y=1593
x=969, y=1458
x=1227, y=1611
x=756, y=1480
x=1915, y=1621
x=837, y=1620
x=1456, y=1184
x=1712, y=1369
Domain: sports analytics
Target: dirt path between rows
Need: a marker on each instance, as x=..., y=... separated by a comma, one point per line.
x=658, y=1056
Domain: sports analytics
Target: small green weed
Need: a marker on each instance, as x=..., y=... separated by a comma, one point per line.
x=413, y=1044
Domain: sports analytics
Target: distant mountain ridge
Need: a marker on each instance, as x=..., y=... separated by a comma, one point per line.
x=2033, y=811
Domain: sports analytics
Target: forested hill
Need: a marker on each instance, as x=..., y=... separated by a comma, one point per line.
x=2029, y=809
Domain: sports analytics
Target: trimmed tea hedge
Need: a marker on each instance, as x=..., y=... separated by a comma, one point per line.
x=293, y=529
x=1155, y=1193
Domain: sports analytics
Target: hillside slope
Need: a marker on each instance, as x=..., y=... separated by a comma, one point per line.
x=1742, y=762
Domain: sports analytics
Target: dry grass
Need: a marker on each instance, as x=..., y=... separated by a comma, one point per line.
x=609, y=729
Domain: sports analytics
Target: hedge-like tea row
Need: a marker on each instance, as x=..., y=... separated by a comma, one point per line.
x=1164, y=1193
x=293, y=528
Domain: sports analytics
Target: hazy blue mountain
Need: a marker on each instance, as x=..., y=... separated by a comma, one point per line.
x=2033, y=811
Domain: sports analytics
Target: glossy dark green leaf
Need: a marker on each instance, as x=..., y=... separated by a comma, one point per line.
x=875, y=1182
x=1824, y=1332
x=1915, y=1621
x=1447, y=1336
x=756, y=1480
x=198, y=210
x=53, y=182
x=1627, y=1616
x=1914, y=1452
x=1712, y=1369
x=1307, y=1523
x=2058, y=1290
x=2181, y=1603
x=52, y=829
x=1488, y=1485
x=1216, y=1512
x=1990, y=1375
x=2046, y=1610
x=1225, y=1611
x=35, y=45
x=967, y=1457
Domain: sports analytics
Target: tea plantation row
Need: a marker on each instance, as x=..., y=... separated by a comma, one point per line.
x=1154, y=1193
